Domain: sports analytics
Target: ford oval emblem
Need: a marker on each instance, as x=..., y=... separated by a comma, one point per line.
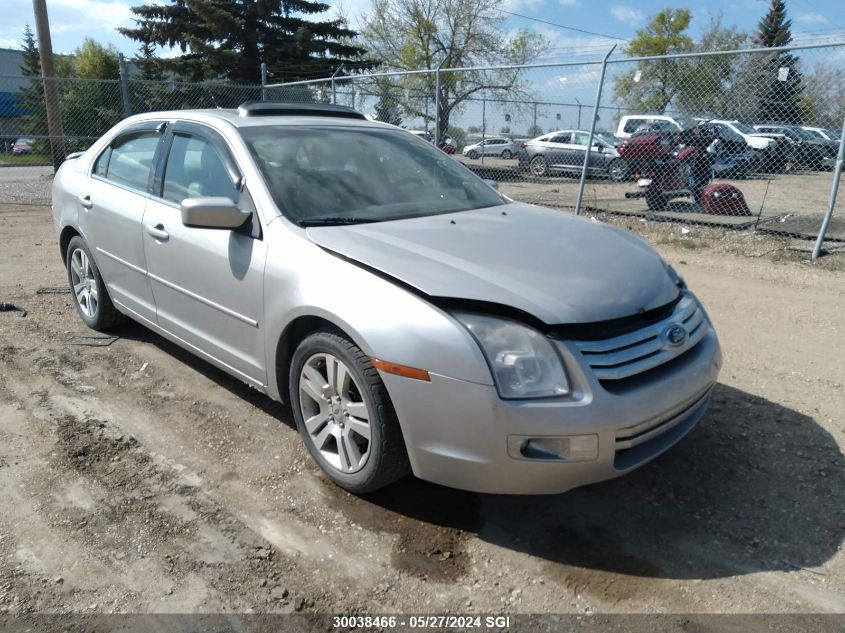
x=675, y=335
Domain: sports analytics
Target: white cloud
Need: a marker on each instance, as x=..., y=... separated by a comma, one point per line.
x=83, y=15
x=811, y=18
x=570, y=3
x=519, y=5
x=624, y=13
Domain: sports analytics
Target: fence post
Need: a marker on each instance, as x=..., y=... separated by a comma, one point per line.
x=534, y=126
x=834, y=189
x=334, y=92
x=483, y=126
x=579, y=112
x=437, y=130
x=48, y=78
x=592, y=132
x=124, y=84
x=264, y=81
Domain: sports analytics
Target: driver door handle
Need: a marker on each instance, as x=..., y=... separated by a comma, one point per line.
x=85, y=201
x=157, y=231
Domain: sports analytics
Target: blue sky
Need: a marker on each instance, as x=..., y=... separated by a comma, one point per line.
x=72, y=20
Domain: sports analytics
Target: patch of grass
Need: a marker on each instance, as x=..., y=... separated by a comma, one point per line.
x=25, y=159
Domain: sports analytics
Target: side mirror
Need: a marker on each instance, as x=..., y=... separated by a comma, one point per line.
x=212, y=213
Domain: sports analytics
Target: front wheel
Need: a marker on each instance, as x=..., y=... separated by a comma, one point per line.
x=344, y=414
x=472, y=154
x=538, y=166
x=507, y=154
x=89, y=292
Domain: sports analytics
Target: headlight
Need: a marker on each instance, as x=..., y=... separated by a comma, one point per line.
x=524, y=363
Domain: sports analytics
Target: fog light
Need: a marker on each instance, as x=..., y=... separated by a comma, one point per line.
x=573, y=448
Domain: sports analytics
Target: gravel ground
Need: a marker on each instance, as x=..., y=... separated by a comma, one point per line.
x=139, y=479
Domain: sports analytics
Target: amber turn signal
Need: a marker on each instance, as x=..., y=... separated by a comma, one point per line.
x=400, y=370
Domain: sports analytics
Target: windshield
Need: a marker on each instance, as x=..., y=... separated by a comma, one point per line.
x=347, y=175
x=803, y=134
x=834, y=134
x=607, y=138
x=744, y=128
x=816, y=135
x=686, y=122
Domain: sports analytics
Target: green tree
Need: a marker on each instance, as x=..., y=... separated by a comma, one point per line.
x=652, y=85
x=90, y=93
x=387, y=109
x=231, y=38
x=431, y=34
x=783, y=87
x=708, y=85
x=505, y=130
x=34, y=122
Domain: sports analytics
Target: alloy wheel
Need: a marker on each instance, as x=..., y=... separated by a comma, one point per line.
x=334, y=412
x=84, y=283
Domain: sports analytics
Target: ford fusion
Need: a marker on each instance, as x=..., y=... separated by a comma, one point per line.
x=415, y=319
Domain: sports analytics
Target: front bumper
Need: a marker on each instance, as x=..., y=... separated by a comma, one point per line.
x=461, y=434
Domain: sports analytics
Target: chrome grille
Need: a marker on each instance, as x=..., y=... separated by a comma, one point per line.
x=636, y=352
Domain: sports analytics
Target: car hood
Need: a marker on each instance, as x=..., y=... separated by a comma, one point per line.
x=553, y=265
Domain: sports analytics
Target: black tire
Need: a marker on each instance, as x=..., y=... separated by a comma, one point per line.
x=656, y=201
x=507, y=154
x=472, y=154
x=387, y=461
x=619, y=170
x=539, y=166
x=102, y=316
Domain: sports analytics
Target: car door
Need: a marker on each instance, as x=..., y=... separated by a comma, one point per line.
x=579, y=147
x=113, y=204
x=207, y=283
x=557, y=148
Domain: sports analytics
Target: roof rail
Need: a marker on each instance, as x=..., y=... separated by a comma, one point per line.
x=273, y=108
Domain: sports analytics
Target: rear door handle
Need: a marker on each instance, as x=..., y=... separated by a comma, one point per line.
x=85, y=201
x=157, y=231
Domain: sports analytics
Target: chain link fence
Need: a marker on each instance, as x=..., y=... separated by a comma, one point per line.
x=745, y=143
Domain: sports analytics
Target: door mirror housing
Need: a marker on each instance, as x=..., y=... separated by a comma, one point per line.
x=213, y=213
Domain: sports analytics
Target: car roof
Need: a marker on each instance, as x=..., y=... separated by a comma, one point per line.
x=232, y=116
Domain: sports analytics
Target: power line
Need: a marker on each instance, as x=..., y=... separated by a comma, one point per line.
x=561, y=26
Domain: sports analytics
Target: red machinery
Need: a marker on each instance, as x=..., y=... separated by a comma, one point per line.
x=671, y=165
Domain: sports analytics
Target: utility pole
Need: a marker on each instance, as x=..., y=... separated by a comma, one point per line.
x=48, y=78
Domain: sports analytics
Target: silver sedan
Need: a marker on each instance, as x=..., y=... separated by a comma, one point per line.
x=415, y=319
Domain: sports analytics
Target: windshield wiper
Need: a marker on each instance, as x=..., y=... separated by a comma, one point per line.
x=329, y=221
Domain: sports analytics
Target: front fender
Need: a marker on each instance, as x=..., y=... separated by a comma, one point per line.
x=384, y=319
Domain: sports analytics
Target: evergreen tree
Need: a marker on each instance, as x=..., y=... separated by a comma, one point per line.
x=31, y=97
x=231, y=38
x=387, y=108
x=780, y=99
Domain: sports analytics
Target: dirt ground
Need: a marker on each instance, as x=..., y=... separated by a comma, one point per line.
x=137, y=478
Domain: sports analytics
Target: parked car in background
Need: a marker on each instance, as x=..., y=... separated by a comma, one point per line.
x=22, y=146
x=631, y=123
x=414, y=319
x=449, y=145
x=823, y=133
x=503, y=147
x=423, y=134
x=563, y=152
x=769, y=153
x=808, y=150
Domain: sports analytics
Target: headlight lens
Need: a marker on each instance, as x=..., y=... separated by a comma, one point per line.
x=524, y=363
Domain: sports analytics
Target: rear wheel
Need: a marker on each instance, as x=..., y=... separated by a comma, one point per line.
x=539, y=166
x=89, y=292
x=344, y=414
x=618, y=170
